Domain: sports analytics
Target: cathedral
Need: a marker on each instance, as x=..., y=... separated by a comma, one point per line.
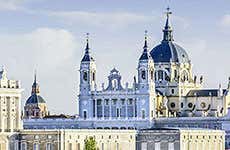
x=165, y=87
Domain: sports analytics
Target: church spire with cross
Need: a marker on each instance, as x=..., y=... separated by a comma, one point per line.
x=145, y=54
x=168, y=36
x=35, y=86
x=87, y=56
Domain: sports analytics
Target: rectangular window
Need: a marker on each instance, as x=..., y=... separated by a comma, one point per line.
x=102, y=146
x=158, y=146
x=130, y=101
x=48, y=146
x=118, y=112
x=70, y=146
x=36, y=146
x=106, y=102
x=23, y=146
x=143, y=114
x=99, y=101
x=117, y=146
x=144, y=146
x=171, y=146
x=114, y=101
x=16, y=145
x=78, y=146
x=123, y=101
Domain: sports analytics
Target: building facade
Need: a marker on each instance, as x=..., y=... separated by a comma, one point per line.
x=10, y=104
x=180, y=139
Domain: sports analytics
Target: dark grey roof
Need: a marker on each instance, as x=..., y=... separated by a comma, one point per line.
x=145, y=56
x=87, y=57
x=34, y=99
x=169, y=51
x=204, y=93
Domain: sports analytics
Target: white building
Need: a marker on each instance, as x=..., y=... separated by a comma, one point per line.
x=164, y=93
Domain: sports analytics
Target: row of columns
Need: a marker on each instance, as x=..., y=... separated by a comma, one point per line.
x=110, y=107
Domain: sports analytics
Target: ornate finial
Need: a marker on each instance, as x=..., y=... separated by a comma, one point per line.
x=146, y=34
x=168, y=11
x=35, y=76
x=87, y=41
x=146, y=37
x=35, y=86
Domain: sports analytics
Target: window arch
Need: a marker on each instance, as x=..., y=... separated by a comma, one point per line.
x=160, y=75
x=143, y=114
x=85, y=76
x=184, y=76
x=143, y=74
x=84, y=114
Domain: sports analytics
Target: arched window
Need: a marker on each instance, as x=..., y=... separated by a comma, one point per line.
x=114, y=84
x=160, y=75
x=143, y=74
x=175, y=74
x=152, y=74
x=84, y=114
x=184, y=76
x=143, y=114
x=85, y=76
x=93, y=76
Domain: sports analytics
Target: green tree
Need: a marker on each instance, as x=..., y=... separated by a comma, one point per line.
x=90, y=144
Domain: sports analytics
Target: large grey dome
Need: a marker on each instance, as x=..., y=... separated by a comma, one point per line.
x=169, y=51
x=35, y=99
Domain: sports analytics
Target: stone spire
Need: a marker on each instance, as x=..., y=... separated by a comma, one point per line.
x=168, y=36
x=87, y=56
x=35, y=86
x=145, y=54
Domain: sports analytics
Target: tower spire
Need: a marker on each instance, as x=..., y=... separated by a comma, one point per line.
x=168, y=36
x=145, y=54
x=35, y=76
x=87, y=56
x=35, y=86
x=87, y=43
x=146, y=42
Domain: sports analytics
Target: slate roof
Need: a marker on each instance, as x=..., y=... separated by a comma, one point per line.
x=169, y=51
x=34, y=99
x=205, y=93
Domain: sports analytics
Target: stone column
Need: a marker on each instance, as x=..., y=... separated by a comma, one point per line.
x=110, y=108
x=103, y=108
x=134, y=101
x=95, y=108
x=126, y=108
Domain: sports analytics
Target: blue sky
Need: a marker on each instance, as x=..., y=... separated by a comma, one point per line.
x=49, y=36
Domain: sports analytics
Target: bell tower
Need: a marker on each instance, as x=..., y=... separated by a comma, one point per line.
x=87, y=83
x=146, y=84
x=146, y=70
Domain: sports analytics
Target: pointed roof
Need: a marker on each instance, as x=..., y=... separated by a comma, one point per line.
x=87, y=56
x=35, y=97
x=145, y=54
x=168, y=51
x=167, y=36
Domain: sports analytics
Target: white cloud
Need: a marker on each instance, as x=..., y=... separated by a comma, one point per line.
x=225, y=21
x=114, y=19
x=52, y=52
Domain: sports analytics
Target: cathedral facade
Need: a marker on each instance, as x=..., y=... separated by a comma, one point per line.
x=165, y=87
